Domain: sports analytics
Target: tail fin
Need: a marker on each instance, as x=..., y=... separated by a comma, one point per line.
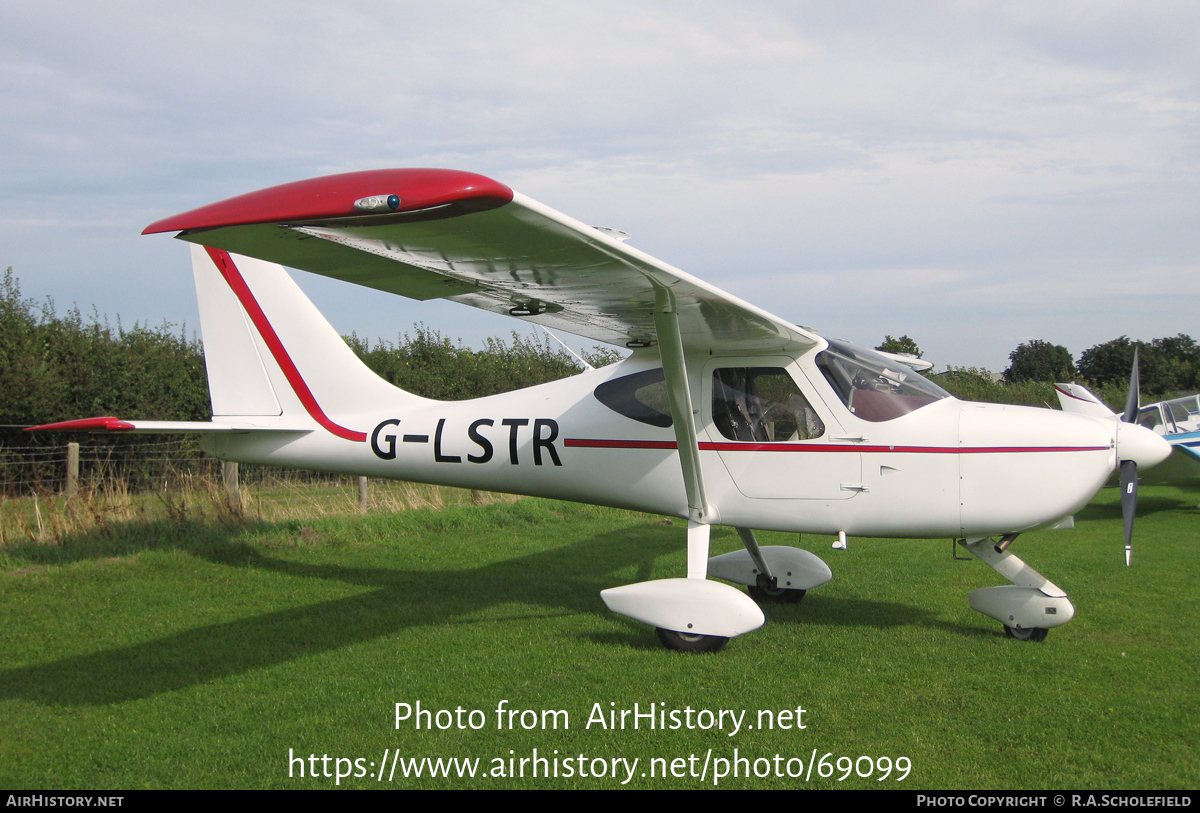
x=237, y=378
x=270, y=352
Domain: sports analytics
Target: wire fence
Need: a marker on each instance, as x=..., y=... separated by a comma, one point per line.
x=170, y=465
x=51, y=493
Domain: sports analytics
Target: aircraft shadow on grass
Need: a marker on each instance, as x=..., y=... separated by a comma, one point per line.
x=1150, y=501
x=563, y=581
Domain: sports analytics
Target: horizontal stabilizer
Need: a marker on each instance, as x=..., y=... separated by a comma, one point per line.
x=111, y=424
x=908, y=360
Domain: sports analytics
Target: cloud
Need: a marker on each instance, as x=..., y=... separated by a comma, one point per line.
x=953, y=153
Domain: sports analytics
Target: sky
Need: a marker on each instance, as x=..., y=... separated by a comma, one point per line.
x=972, y=174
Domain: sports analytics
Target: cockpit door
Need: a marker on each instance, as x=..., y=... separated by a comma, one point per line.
x=773, y=435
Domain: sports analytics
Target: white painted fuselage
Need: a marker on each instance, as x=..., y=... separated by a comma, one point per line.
x=950, y=468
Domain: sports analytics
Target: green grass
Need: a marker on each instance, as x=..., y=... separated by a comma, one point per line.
x=111, y=510
x=195, y=654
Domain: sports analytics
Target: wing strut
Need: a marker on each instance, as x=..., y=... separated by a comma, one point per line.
x=694, y=614
x=670, y=345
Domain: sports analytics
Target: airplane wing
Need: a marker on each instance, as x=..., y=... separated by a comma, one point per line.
x=435, y=233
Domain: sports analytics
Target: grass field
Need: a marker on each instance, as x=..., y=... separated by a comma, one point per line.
x=193, y=652
x=111, y=510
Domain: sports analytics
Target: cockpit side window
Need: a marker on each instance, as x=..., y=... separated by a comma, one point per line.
x=641, y=396
x=872, y=386
x=762, y=405
x=1183, y=414
x=1150, y=418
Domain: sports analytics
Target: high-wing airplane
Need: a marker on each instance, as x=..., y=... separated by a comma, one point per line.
x=724, y=414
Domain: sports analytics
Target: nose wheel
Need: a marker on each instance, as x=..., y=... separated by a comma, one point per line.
x=1030, y=606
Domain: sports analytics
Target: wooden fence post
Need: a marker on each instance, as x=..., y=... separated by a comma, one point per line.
x=72, y=469
x=363, y=496
x=230, y=472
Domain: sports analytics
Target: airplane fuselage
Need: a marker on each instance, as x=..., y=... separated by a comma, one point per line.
x=949, y=468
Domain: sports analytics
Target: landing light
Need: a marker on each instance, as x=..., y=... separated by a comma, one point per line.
x=378, y=203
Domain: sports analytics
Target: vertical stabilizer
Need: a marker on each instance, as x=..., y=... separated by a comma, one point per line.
x=237, y=378
x=270, y=352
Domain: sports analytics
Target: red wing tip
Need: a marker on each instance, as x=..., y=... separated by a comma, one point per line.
x=334, y=196
x=108, y=423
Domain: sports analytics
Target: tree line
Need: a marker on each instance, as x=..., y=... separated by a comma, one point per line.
x=55, y=368
x=1167, y=367
x=430, y=365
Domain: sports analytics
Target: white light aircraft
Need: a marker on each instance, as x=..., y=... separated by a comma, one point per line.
x=724, y=414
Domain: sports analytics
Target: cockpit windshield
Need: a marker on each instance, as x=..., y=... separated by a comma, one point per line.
x=872, y=386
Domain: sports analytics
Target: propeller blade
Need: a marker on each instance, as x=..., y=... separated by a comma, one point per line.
x=1129, y=484
x=1128, y=468
x=1133, y=401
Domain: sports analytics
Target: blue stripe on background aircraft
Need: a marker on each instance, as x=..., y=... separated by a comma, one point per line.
x=724, y=414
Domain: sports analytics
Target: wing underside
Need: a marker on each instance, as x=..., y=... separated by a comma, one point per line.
x=514, y=257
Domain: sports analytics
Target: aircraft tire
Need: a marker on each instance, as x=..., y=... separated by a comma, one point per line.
x=1031, y=634
x=781, y=595
x=686, y=642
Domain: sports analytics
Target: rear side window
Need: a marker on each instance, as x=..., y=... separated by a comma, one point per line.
x=641, y=396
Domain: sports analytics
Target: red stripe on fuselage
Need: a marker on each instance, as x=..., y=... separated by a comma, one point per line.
x=620, y=444
x=814, y=447
x=706, y=446
x=232, y=276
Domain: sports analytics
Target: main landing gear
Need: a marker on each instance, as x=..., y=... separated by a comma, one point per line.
x=777, y=574
x=699, y=614
x=687, y=642
x=695, y=614
x=1029, y=607
x=780, y=595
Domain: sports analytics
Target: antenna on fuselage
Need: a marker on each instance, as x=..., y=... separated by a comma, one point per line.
x=578, y=358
